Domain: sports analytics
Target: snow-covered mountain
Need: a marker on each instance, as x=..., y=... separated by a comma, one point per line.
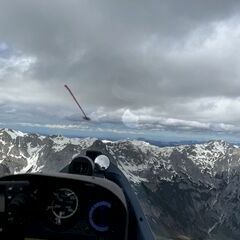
x=22, y=152
x=190, y=190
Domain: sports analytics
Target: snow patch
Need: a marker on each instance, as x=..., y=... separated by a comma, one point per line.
x=126, y=169
x=14, y=134
x=61, y=142
x=107, y=141
x=32, y=160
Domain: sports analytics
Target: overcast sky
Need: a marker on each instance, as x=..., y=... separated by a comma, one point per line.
x=150, y=64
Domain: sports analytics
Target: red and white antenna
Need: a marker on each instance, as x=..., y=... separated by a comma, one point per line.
x=85, y=117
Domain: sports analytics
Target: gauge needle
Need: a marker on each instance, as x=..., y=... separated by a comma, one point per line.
x=69, y=194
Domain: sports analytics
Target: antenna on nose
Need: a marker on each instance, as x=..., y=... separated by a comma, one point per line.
x=85, y=117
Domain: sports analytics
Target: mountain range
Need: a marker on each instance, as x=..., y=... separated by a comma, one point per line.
x=187, y=191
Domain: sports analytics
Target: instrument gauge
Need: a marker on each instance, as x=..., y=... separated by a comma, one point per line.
x=63, y=205
x=99, y=216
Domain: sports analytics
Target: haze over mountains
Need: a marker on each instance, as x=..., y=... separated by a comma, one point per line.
x=188, y=190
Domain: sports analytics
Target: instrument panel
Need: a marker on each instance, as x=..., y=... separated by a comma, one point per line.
x=65, y=208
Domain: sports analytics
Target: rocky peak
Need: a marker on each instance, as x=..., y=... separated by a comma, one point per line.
x=188, y=190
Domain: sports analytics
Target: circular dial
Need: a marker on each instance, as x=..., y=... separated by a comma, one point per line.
x=99, y=216
x=64, y=204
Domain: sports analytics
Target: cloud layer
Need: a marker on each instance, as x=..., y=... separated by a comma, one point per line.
x=158, y=63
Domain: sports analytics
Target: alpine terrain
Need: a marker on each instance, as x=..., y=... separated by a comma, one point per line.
x=187, y=191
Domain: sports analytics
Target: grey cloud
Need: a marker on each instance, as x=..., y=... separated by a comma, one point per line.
x=131, y=54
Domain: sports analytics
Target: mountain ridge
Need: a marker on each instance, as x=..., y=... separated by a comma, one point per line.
x=188, y=190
